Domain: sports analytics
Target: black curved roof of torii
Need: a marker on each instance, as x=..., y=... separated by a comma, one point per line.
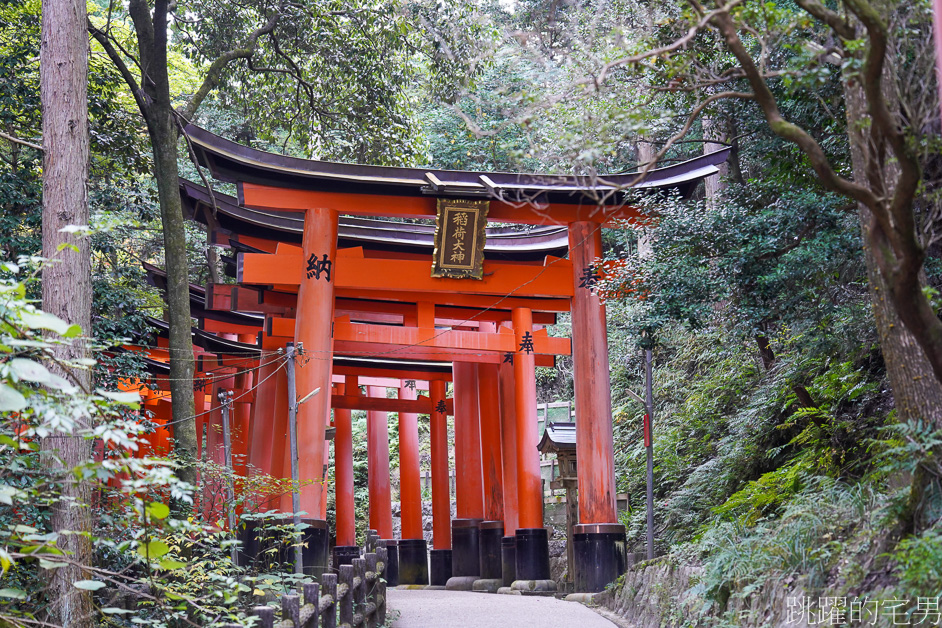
x=370, y=233
x=157, y=277
x=213, y=343
x=229, y=161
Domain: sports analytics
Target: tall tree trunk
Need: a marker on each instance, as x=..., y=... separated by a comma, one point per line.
x=714, y=135
x=646, y=155
x=66, y=282
x=151, y=27
x=917, y=393
x=164, y=140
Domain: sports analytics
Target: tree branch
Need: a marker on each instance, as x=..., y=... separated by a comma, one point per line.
x=692, y=32
x=790, y=246
x=680, y=134
x=144, y=28
x=102, y=38
x=211, y=80
x=885, y=123
x=838, y=24
x=785, y=129
x=17, y=140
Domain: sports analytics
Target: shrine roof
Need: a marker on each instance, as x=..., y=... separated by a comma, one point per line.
x=229, y=161
x=558, y=437
x=209, y=341
x=234, y=220
x=214, y=344
x=158, y=278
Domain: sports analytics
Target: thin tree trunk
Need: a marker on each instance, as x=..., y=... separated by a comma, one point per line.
x=66, y=282
x=164, y=140
x=152, y=28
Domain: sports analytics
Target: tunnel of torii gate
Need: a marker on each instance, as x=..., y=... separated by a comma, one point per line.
x=357, y=295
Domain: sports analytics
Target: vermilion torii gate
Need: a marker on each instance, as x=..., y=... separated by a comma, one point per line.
x=233, y=226
x=324, y=275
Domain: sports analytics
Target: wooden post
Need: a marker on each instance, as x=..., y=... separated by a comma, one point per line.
x=293, y=449
x=469, y=488
x=594, y=438
x=377, y=436
x=529, y=485
x=441, y=492
x=410, y=493
x=291, y=609
x=371, y=537
x=313, y=329
x=328, y=611
x=346, y=598
x=371, y=584
x=311, y=608
x=326, y=474
x=383, y=558
x=649, y=448
x=359, y=584
x=266, y=615
x=343, y=470
x=225, y=400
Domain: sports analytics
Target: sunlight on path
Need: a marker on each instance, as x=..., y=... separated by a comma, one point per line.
x=461, y=609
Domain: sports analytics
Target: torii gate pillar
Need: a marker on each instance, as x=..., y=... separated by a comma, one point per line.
x=492, y=528
x=531, y=538
x=508, y=429
x=313, y=329
x=346, y=549
x=469, y=482
x=598, y=539
x=440, y=556
x=377, y=446
x=413, y=552
x=380, y=489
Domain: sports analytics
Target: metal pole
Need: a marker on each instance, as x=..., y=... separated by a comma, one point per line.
x=225, y=398
x=293, y=440
x=649, y=403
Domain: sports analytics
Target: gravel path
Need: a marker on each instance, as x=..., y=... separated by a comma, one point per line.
x=463, y=609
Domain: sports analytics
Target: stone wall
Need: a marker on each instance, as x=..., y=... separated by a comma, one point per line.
x=660, y=594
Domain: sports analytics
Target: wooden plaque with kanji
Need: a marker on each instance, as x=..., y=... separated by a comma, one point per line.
x=459, y=238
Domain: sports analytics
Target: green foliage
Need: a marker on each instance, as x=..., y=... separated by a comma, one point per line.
x=775, y=257
x=806, y=539
x=37, y=403
x=920, y=564
x=764, y=496
x=331, y=81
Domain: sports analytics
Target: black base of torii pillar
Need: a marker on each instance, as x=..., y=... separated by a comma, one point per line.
x=600, y=555
x=599, y=540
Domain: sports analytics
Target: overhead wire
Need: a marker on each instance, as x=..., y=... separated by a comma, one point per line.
x=215, y=371
x=212, y=409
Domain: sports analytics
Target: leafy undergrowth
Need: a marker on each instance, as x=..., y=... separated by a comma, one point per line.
x=761, y=492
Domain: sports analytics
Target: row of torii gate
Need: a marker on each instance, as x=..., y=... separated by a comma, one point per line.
x=315, y=267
